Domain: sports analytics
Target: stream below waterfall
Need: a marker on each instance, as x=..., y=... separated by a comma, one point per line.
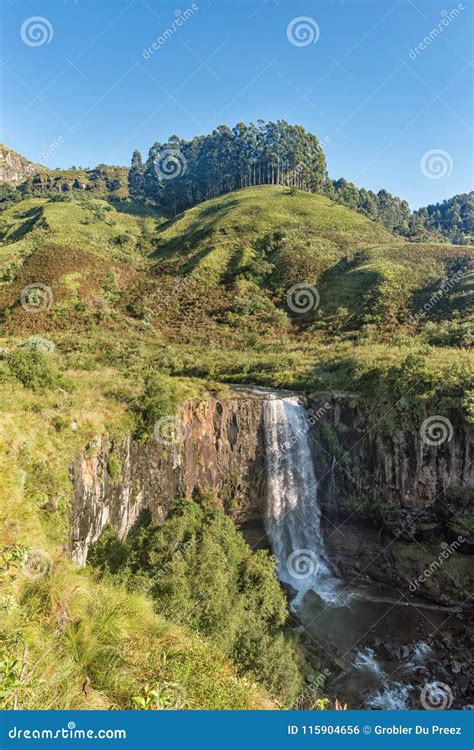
x=378, y=650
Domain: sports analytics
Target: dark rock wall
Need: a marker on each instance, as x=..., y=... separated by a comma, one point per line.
x=219, y=449
x=389, y=500
x=395, y=508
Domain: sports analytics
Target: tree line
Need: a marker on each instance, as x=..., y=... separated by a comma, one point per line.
x=179, y=174
x=454, y=217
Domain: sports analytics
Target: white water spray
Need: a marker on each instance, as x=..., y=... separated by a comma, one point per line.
x=293, y=516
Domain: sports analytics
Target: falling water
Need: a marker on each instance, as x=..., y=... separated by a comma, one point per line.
x=293, y=525
x=293, y=516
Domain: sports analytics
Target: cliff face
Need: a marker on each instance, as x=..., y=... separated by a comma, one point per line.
x=394, y=506
x=220, y=450
x=388, y=499
x=14, y=168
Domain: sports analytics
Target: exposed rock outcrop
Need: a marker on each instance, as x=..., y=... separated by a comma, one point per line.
x=391, y=503
x=14, y=168
x=396, y=508
x=219, y=449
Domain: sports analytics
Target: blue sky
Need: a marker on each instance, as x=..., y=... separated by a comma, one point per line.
x=89, y=94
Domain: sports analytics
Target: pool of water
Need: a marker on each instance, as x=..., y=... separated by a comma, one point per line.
x=385, y=652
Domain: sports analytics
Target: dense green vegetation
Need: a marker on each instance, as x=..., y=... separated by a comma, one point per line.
x=144, y=311
x=179, y=174
x=199, y=571
x=453, y=218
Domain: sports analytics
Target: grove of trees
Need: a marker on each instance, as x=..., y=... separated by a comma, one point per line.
x=179, y=174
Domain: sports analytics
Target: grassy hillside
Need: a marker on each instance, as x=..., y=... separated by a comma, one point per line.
x=305, y=237
x=143, y=312
x=250, y=247
x=208, y=294
x=59, y=627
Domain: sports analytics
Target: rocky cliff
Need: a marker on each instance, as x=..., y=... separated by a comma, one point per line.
x=389, y=500
x=218, y=448
x=397, y=506
x=14, y=168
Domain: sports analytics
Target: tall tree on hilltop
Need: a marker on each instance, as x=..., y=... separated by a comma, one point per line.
x=136, y=178
x=273, y=153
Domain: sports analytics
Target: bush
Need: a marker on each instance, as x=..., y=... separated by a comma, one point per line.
x=32, y=368
x=199, y=570
x=158, y=399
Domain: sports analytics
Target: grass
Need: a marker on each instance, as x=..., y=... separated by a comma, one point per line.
x=74, y=627
x=199, y=300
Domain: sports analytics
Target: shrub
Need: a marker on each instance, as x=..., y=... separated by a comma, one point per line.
x=200, y=571
x=32, y=368
x=158, y=399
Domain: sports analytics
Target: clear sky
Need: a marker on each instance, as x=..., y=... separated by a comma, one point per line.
x=78, y=89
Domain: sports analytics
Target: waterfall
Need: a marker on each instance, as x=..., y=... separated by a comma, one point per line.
x=293, y=515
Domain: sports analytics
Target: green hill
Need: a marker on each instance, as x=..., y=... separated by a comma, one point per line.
x=124, y=265
x=259, y=242
x=140, y=312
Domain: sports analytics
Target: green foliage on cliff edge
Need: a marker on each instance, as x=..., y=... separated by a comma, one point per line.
x=199, y=571
x=60, y=629
x=145, y=315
